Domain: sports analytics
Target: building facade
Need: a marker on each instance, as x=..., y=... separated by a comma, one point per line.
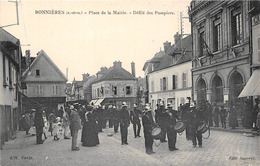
x=10, y=83
x=221, y=50
x=44, y=83
x=170, y=81
x=114, y=86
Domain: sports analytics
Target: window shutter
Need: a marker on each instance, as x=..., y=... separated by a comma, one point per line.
x=161, y=84
x=176, y=81
x=166, y=83
x=182, y=80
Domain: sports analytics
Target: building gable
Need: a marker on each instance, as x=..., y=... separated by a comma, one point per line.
x=43, y=69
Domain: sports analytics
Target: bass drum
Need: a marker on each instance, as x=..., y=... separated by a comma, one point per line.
x=157, y=133
x=180, y=126
x=202, y=128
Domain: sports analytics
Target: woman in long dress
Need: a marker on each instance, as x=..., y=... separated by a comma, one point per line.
x=90, y=129
x=233, y=123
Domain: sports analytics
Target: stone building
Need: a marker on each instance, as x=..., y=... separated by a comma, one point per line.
x=114, y=86
x=170, y=81
x=252, y=87
x=10, y=83
x=44, y=83
x=221, y=50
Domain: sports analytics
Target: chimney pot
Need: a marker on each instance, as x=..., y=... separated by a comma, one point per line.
x=117, y=64
x=166, y=45
x=177, y=37
x=133, y=68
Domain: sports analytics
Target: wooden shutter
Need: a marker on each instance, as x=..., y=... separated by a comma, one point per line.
x=166, y=83
x=161, y=84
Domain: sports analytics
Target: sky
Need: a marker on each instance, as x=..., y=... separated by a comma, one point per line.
x=84, y=36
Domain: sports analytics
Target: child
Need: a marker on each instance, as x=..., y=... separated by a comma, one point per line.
x=56, y=128
x=51, y=119
x=45, y=124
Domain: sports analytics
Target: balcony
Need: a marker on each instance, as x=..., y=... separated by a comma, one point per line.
x=227, y=55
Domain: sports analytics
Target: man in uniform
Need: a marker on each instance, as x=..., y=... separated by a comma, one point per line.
x=170, y=120
x=110, y=116
x=134, y=117
x=116, y=118
x=160, y=120
x=124, y=123
x=60, y=112
x=148, y=124
x=194, y=120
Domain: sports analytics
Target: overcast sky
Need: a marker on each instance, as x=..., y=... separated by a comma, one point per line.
x=83, y=42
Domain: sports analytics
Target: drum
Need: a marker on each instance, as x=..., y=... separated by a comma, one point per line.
x=157, y=133
x=180, y=126
x=202, y=128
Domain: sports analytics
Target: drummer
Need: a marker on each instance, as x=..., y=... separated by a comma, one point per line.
x=160, y=117
x=148, y=124
x=170, y=122
x=194, y=119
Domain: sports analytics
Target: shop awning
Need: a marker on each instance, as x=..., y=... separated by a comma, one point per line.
x=99, y=101
x=252, y=87
x=28, y=102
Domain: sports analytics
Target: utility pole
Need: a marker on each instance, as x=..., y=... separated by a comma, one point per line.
x=182, y=32
x=17, y=15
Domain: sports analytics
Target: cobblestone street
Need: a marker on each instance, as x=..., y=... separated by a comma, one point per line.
x=222, y=148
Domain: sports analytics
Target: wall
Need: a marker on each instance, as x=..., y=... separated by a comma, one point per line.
x=120, y=88
x=47, y=89
x=179, y=92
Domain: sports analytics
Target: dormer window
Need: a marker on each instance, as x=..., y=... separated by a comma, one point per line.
x=37, y=73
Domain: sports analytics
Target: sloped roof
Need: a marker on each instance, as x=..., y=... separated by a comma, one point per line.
x=41, y=55
x=116, y=73
x=185, y=57
x=6, y=36
x=156, y=59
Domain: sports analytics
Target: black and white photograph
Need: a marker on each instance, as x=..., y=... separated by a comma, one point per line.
x=130, y=82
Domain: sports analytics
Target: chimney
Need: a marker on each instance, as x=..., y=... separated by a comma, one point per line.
x=133, y=68
x=166, y=45
x=85, y=76
x=177, y=37
x=101, y=72
x=27, y=57
x=117, y=64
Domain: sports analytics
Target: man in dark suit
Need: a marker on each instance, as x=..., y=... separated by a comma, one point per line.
x=39, y=124
x=75, y=126
x=124, y=123
x=134, y=116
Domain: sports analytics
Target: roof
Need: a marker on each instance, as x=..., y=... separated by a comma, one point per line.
x=116, y=73
x=156, y=59
x=41, y=55
x=173, y=50
x=6, y=36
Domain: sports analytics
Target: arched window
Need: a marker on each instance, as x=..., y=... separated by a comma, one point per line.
x=217, y=90
x=201, y=87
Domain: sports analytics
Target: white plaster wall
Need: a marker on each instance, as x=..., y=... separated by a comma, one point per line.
x=7, y=96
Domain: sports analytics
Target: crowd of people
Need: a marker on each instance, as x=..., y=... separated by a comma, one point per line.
x=92, y=120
